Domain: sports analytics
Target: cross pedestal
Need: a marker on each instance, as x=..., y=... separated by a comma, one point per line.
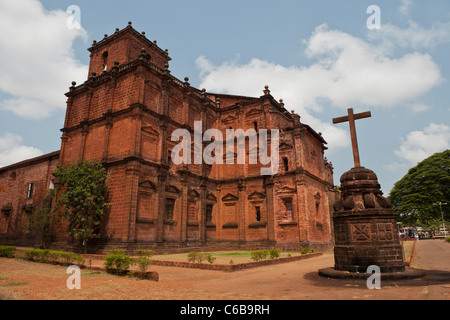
x=365, y=229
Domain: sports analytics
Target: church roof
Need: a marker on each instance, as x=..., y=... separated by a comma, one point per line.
x=45, y=157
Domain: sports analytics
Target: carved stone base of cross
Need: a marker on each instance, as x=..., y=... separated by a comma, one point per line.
x=351, y=120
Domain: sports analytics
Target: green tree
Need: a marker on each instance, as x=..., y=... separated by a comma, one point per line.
x=80, y=192
x=428, y=182
x=42, y=221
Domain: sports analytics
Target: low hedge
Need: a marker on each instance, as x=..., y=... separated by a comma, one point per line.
x=258, y=255
x=199, y=257
x=306, y=250
x=117, y=262
x=7, y=251
x=54, y=257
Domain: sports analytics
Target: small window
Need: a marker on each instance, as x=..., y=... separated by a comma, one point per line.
x=51, y=185
x=286, y=164
x=105, y=60
x=258, y=213
x=288, y=205
x=170, y=205
x=30, y=190
x=209, y=209
x=169, y=158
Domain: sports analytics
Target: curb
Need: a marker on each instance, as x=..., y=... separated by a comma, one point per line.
x=410, y=257
x=408, y=274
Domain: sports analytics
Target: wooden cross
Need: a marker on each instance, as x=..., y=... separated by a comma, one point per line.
x=351, y=119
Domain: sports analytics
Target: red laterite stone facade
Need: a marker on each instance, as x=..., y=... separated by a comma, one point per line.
x=124, y=114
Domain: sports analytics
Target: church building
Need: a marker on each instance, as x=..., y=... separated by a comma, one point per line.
x=124, y=116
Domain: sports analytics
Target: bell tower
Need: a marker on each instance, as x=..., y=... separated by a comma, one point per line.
x=121, y=65
x=122, y=47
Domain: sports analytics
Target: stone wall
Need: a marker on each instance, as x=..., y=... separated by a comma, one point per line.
x=26, y=186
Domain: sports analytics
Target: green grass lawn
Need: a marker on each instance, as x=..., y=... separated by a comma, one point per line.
x=222, y=257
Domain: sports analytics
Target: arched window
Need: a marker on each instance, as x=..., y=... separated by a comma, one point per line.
x=105, y=60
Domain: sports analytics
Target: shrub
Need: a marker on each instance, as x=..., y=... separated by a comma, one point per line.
x=73, y=258
x=30, y=254
x=258, y=255
x=54, y=256
x=65, y=257
x=192, y=256
x=274, y=253
x=143, y=261
x=210, y=258
x=200, y=257
x=37, y=255
x=145, y=253
x=195, y=257
x=7, y=251
x=304, y=251
x=117, y=262
x=117, y=251
x=447, y=239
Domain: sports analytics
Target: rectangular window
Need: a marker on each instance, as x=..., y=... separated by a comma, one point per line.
x=286, y=164
x=258, y=213
x=288, y=205
x=170, y=205
x=209, y=209
x=169, y=158
x=30, y=190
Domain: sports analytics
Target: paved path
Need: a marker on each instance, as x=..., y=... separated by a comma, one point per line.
x=434, y=256
x=300, y=281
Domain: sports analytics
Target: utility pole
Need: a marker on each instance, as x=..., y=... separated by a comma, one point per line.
x=440, y=204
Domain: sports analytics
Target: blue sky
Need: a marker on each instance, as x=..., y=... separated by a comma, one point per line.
x=318, y=56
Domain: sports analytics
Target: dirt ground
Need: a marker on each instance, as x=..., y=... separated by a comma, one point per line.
x=299, y=280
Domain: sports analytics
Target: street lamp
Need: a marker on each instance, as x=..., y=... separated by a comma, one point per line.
x=440, y=204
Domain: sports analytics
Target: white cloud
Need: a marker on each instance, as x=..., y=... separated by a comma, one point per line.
x=414, y=36
x=419, y=145
x=38, y=63
x=346, y=72
x=405, y=7
x=420, y=107
x=12, y=150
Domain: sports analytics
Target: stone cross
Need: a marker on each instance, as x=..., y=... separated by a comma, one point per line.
x=351, y=119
